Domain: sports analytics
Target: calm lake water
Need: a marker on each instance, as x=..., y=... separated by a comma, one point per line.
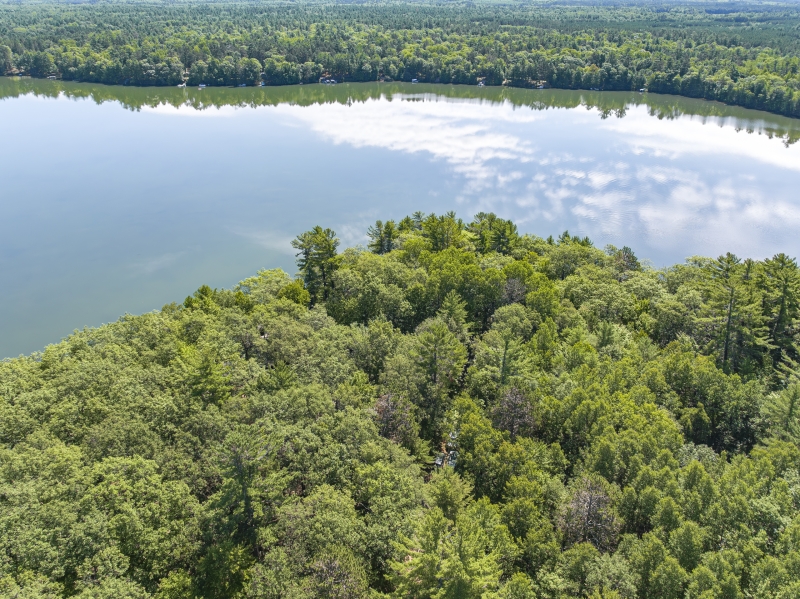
x=120, y=200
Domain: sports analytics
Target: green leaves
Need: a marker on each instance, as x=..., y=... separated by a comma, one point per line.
x=316, y=260
x=383, y=237
x=248, y=445
x=512, y=45
x=447, y=560
x=781, y=414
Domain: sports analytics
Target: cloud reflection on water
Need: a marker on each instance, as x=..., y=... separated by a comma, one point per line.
x=456, y=132
x=667, y=184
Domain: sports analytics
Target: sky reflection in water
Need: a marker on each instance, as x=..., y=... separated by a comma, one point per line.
x=107, y=210
x=670, y=188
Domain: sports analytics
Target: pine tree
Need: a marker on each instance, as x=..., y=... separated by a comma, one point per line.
x=733, y=325
x=780, y=283
x=781, y=414
x=316, y=260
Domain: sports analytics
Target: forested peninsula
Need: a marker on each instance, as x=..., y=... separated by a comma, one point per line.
x=455, y=411
x=746, y=54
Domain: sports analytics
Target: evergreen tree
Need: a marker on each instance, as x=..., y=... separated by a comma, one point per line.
x=316, y=260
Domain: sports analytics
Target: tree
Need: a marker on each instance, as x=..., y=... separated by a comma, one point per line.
x=734, y=323
x=372, y=345
x=449, y=492
x=446, y=560
x=611, y=573
x=250, y=486
x=322, y=522
x=296, y=293
x=624, y=261
x=781, y=414
x=439, y=358
x=686, y=544
x=588, y=515
x=394, y=416
x=6, y=60
x=575, y=566
x=383, y=237
x=668, y=580
x=504, y=236
x=723, y=272
x=544, y=298
x=198, y=73
x=316, y=260
x=38, y=64
x=453, y=312
x=248, y=71
x=780, y=282
x=514, y=413
x=518, y=587
x=337, y=574
x=442, y=231
x=501, y=359
x=247, y=445
x=494, y=234
x=439, y=352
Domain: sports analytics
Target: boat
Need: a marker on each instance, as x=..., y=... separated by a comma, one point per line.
x=201, y=86
x=182, y=84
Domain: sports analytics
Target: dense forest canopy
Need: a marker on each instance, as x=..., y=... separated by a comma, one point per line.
x=740, y=53
x=455, y=411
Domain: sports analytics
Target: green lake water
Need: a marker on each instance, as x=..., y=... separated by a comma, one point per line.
x=120, y=200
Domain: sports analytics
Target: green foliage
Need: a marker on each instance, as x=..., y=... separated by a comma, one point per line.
x=464, y=411
x=316, y=260
x=746, y=54
x=296, y=292
x=782, y=414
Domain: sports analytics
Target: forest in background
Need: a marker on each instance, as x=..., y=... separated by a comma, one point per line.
x=455, y=411
x=745, y=54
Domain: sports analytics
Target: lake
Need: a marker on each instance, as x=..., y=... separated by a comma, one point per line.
x=120, y=199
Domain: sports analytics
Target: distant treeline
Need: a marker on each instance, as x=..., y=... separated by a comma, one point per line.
x=747, y=56
x=607, y=104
